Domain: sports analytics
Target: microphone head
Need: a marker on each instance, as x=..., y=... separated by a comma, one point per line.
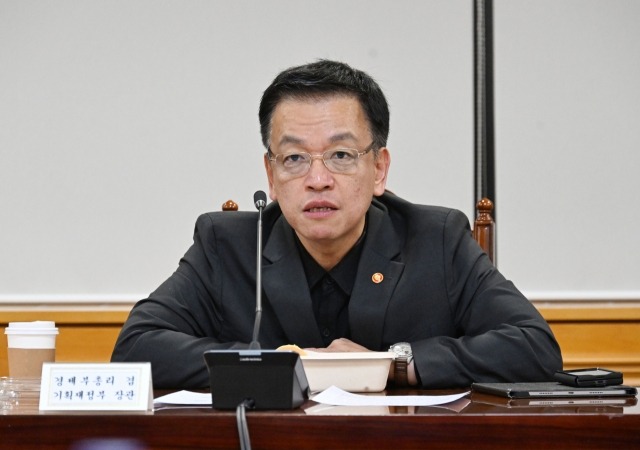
x=260, y=199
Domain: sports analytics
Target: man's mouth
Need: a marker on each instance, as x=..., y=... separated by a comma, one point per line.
x=320, y=209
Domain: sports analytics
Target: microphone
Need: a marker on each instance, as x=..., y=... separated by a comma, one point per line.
x=260, y=200
x=267, y=379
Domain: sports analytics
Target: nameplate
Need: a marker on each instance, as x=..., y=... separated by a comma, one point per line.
x=96, y=387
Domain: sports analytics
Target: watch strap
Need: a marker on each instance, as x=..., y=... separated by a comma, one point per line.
x=400, y=371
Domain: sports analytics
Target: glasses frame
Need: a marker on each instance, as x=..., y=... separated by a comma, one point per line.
x=273, y=158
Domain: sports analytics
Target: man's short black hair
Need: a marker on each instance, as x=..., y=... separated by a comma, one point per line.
x=327, y=78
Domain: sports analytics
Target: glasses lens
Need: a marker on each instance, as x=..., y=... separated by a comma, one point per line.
x=341, y=160
x=293, y=163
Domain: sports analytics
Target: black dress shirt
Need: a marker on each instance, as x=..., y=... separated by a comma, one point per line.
x=330, y=291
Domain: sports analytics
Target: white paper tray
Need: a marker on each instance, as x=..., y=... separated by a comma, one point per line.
x=351, y=371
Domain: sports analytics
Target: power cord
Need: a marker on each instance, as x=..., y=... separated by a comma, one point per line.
x=241, y=420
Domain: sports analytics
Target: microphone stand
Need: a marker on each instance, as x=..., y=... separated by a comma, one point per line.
x=255, y=378
x=260, y=204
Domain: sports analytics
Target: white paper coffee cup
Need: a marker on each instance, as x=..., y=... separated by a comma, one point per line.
x=39, y=334
x=30, y=344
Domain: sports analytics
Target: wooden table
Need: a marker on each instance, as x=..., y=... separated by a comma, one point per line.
x=485, y=422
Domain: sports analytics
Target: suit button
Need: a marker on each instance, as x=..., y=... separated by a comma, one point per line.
x=326, y=332
x=328, y=280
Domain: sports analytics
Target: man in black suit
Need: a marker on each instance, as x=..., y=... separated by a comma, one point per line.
x=346, y=266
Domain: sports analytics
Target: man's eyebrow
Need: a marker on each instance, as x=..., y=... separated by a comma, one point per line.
x=335, y=138
x=290, y=140
x=342, y=137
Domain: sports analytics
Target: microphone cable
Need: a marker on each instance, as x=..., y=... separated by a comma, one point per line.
x=241, y=421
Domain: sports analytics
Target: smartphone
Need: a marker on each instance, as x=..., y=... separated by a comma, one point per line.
x=594, y=377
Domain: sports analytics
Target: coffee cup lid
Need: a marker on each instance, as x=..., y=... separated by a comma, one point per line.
x=37, y=327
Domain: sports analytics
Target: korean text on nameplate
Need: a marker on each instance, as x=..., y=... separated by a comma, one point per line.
x=114, y=386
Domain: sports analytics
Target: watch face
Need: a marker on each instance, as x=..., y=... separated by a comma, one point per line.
x=401, y=349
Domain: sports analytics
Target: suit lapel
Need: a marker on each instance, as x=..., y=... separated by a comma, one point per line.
x=285, y=285
x=369, y=300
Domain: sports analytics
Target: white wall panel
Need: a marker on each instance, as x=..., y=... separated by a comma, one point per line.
x=122, y=121
x=567, y=77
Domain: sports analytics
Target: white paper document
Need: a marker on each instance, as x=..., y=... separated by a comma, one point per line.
x=331, y=396
x=184, y=398
x=338, y=397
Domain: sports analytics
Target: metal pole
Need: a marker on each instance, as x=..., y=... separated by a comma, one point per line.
x=484, y=143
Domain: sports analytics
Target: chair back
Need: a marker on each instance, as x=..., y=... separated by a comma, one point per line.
x=484, y=228
x=229, y=205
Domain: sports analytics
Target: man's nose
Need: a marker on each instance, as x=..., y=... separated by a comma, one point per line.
x=319, y=177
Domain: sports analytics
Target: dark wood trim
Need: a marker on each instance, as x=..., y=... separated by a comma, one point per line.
x=201, y=428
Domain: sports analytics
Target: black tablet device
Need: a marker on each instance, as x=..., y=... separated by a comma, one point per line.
x=550, y=390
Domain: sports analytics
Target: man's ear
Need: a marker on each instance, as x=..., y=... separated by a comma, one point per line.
x=382, y=163
x=267, y=166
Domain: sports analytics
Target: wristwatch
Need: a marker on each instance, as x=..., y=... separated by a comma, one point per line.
x=404, y=356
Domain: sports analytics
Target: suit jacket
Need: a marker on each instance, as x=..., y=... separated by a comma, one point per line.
x=465, y=322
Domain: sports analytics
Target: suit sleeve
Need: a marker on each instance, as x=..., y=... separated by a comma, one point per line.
x=500, y=335
x=180, y=320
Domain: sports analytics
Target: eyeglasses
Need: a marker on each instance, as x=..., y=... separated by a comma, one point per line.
x=339, y=160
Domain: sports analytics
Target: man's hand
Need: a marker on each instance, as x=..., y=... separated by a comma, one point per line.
x=341, y=345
